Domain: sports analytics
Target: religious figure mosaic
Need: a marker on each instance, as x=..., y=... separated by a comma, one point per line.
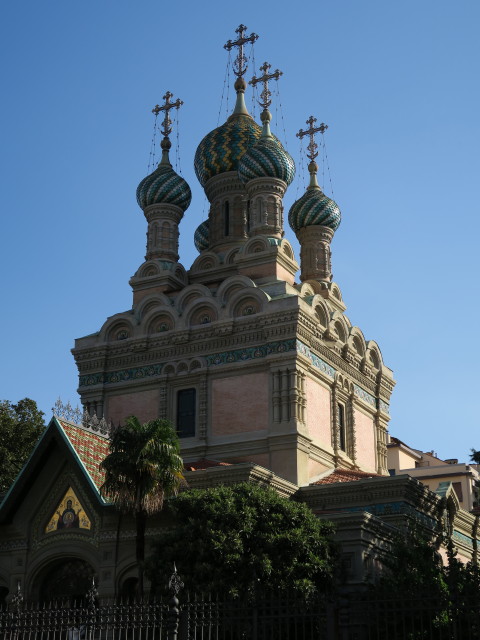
x=69, y=514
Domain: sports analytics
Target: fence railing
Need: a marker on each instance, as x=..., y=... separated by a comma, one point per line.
x=265, y=617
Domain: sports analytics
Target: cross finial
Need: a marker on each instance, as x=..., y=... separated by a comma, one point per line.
x=266, y=94
x=167, y=123
x=311, y=131
x=240, y=64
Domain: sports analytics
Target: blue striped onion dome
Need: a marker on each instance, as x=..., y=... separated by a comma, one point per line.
x=201, y=236
x=314, y=208
x=269, y=159
x=221, y=149
x=164, y=186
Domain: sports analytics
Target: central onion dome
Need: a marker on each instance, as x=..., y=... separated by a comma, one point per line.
x=314, y=207
x=200, y=237
x=164, y=185
x=221, y=149
x=266, y=158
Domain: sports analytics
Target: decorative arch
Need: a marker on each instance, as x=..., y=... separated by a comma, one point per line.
x=246, y=303
x=149, y=303
x=118, y=329
x=160, y=323
x=257, y=244
x=231, y=286
x=231, y=255
x=356, y=342
x=373, y=355
x=190, y=294
x=201, y=314
x=206, y=260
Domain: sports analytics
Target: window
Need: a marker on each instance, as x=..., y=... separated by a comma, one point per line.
x=186, y=401
x=226, y=218
x=342, y=440
x=248, y=215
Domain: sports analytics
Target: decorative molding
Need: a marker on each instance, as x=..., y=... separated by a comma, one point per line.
x=251, y=353
x=364, y=395
x=315, y=360
x=120, y=376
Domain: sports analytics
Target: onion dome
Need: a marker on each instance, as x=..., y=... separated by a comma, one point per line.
x=221, y=149
x=201, y=236
x=164, y=185
x=267, y=158
x=314, y=207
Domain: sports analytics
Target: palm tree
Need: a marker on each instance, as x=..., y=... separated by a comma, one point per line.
x=142, y=469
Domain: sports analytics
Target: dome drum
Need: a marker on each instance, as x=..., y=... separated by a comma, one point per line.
x=163, y=211
x=315, y=254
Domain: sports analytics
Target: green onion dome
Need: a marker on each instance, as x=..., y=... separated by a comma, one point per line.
x=164, y=185
x=221, y=149
x=267, y=158
x=314, y=207
x=201, y=236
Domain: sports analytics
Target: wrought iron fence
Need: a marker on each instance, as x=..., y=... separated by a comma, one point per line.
x=197, y=618
x=265, y=617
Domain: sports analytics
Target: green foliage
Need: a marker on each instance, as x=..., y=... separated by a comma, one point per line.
x=475, y=456
x=143, y=466
x=233, y=539
x=21, y=425
x=419, y=598
x=413, y=566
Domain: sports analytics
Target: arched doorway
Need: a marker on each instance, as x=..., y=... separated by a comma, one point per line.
x=67, y=579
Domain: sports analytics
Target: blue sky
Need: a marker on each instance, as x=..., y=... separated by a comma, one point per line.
x=398, y=85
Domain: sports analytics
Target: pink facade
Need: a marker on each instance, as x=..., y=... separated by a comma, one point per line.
x=319, y=413
x=143, y=404
x=239, y=404
x=365, y=441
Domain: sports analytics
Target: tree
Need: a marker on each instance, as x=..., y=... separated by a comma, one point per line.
x=142, y=469
x=475, y=456
x=233, y=539
x=21, y=425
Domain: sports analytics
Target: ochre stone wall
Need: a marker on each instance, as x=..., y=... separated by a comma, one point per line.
x=318, y=413
x=365, y=439
x=143, y=404
x=240, y=404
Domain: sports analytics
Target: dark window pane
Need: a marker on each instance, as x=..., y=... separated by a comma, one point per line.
x=186, y=400
x=226, y=213
x=341, y=426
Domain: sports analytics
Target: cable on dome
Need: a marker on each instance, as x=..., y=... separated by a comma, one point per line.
x=225, y=79
x=284, y=129
x=325, y=160
x=151, y=155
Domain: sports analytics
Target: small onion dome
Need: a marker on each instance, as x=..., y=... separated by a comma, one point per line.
x=200, y=237
x=267, y=158
x=314, y=207
x=164, y=185
x=221, y=149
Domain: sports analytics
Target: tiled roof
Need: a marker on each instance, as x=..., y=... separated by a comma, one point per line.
x=346, y=475
x=204, y=464
x=90, y=447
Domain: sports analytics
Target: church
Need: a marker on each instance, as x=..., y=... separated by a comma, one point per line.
x=248, y=351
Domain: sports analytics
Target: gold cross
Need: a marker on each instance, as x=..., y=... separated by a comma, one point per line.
x=311, y=131
x=266, y=94
x=167, y=123
x=240, y=64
